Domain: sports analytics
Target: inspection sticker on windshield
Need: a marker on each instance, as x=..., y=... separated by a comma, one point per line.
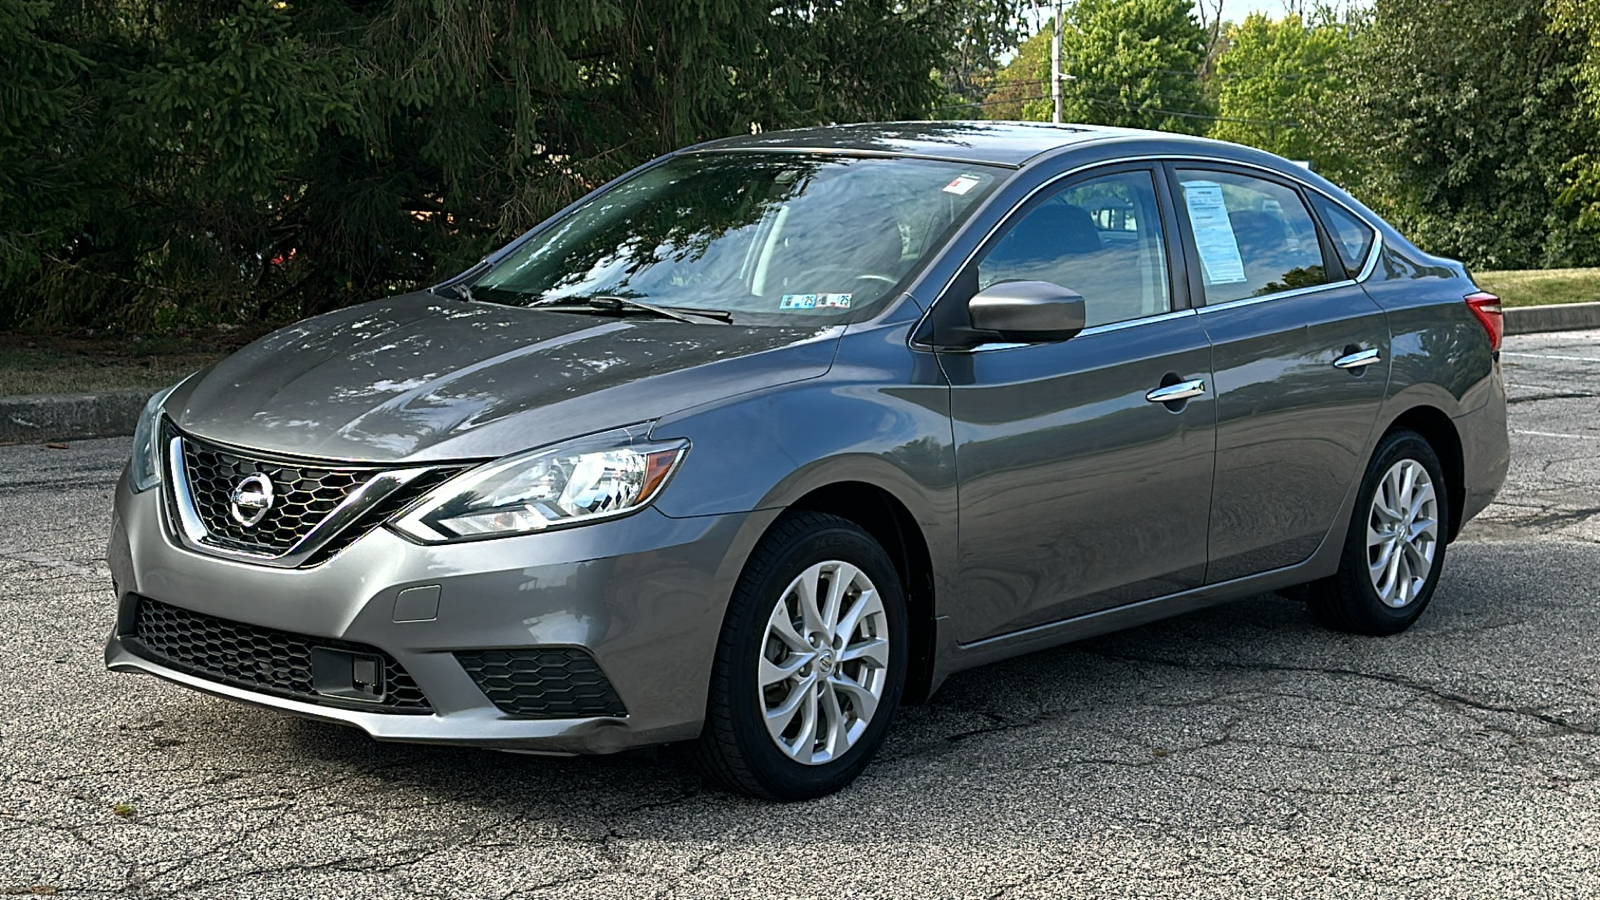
x=815, y=301
x=962, y=184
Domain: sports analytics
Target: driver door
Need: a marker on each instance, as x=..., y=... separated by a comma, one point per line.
x=1078, y=490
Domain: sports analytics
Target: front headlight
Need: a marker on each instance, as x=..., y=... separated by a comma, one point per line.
x=597, y=477
x=144, y=468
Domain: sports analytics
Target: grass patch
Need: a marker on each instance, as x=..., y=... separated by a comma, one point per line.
x=63, y=364
x=1538, y=287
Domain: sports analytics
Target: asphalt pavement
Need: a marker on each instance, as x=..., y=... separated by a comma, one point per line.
x=1239, y=752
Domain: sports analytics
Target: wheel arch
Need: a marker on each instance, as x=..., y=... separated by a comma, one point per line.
x=1440, y=432
x=890, y=522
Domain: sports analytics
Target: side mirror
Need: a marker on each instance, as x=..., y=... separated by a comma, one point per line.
x=1027, y=311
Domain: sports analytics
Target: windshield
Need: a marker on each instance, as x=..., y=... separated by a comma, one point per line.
x=764, y=236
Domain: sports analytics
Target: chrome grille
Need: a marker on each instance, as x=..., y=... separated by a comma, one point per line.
x=317, y=508
x=304, y=495
x=384, y=510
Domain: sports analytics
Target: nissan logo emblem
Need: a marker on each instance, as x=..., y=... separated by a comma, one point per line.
x=250, y=500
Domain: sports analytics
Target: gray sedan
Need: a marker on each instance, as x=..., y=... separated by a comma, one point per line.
x=771, y=435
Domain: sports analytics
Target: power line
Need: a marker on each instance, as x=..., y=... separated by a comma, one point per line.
x=1155, y=70
x=1286, y=123
x=994, y=102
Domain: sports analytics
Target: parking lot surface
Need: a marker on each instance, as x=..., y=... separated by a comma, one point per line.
x=1237, y=752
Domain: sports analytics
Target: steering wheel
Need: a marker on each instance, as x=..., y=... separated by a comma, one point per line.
x=824, y=279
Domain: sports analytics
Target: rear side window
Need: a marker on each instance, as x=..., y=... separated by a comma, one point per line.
x=1351, y=236
x=1254, y=237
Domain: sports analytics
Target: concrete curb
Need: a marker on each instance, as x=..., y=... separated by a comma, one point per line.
x=1554, y=317
x=63, y=417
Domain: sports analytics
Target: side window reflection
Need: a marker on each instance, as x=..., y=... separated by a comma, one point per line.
x=1351, y=236
x=1102, y=238
x=1254, y=237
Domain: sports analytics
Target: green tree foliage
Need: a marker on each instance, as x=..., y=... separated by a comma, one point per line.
x=1581, y=20
x=174, y=161
x=1280, y=87
x=984, y=32
x=39, y=98
x=1130, y=63
x=1466, y=116
x=1021, y=89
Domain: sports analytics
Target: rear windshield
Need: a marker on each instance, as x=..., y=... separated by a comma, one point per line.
x=767, y=237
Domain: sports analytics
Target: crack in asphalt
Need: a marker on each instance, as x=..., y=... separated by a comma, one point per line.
x=1563, y=395
x=1435, y=691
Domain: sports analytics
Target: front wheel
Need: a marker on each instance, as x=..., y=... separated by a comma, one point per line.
x=811, y=663
x=1395, y=548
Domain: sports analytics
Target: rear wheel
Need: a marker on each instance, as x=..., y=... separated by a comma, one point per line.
x=1395, y=548
x=811, y=663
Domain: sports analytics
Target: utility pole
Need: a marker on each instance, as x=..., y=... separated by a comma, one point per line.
x=1055, y=67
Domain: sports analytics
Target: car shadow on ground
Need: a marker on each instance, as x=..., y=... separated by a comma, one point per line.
x=1132, y=698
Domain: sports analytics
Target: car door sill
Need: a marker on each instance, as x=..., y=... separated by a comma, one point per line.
x=1077, y=628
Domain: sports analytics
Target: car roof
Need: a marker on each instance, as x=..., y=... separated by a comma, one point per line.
x=1010, y=144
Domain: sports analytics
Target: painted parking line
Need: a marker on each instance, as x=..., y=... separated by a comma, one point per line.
x=1557, y=434
x=1551, y=356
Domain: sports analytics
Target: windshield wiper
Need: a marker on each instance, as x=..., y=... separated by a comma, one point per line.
x=460, y=288
x=611, y=303
x=457, y=291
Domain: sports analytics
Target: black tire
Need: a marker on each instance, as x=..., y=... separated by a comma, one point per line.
x=1348, y=601
x=734, y=750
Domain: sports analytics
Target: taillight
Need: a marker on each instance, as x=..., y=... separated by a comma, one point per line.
x=1486, y=307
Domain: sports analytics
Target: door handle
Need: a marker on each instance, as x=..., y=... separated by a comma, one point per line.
x=1358, y=359
x=1183, y=390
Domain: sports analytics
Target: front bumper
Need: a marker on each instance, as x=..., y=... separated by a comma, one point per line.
x=644, y=595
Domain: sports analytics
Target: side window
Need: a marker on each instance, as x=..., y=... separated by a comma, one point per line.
x=1254, y=237
x=1100, y=237
x=1352, y=236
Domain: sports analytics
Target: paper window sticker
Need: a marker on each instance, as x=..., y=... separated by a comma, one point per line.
x=1213, y=233
x=798, y=301
x=962, y=184
x=834, y=301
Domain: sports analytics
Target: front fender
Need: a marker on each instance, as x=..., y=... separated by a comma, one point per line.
x=880, y=416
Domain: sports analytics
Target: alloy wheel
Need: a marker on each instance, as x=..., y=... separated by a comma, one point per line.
x=824, y=663
x=1402, y=533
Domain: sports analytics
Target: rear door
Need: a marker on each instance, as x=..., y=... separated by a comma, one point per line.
x=1076, y=492
x=1300, y=356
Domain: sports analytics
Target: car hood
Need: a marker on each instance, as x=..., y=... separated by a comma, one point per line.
x=419, y=377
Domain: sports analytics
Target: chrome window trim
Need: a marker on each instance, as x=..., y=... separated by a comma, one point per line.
x=1097, y=329
x=1372, y=255
x=191, y=529
x=1278, y=295
x=1366, y=270
x=1142, y=320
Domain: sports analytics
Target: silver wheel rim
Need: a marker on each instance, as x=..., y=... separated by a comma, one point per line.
x=1402, y=533
x=824, y=662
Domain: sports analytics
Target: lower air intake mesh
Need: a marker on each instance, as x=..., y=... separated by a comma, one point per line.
x=258, y=659
x=543, y=683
